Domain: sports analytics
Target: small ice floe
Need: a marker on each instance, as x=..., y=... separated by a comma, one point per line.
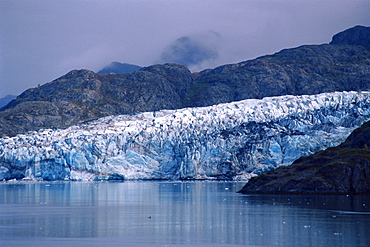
x=350, y=212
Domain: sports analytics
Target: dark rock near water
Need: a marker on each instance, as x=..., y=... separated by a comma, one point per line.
x=338, y=170
x=82, y=95
x=359, y=138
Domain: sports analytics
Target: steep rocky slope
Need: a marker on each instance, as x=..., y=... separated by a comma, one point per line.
x=82, y=95
x=358, y=35
x=344, y=169
x=308, y=69
x=227, y=141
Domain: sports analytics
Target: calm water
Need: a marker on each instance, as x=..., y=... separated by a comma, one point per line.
x=175, y=214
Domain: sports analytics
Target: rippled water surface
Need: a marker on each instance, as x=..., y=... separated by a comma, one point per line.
x=153, y=213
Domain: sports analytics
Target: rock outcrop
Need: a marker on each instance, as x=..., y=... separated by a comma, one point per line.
x=228, y=141
x=358, y=35
x=337, y=170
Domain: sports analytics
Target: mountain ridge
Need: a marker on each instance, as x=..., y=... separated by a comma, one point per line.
x=6, y=99
x=308, y=69
x=82, y=95
x=357, y=35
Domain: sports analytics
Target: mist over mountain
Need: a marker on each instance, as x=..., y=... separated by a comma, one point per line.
x=82, y=95
x=193, y=49
x=5, y=100
x=119, y=68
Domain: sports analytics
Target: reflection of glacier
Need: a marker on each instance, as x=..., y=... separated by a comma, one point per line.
x=227, y=141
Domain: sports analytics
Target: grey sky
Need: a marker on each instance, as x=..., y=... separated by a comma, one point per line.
x=41, y=40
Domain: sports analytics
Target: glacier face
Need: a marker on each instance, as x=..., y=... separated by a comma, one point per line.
x=227, y=141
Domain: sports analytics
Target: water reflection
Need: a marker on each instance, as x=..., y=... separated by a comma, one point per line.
x=186, y=213
x=318, y=220
x=349, y=203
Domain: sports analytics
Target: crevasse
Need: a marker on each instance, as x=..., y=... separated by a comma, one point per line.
x=227, y=141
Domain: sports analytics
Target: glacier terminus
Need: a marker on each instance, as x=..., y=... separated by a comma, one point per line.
x=231, y=141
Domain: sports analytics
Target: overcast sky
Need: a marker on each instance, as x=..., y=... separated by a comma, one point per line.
x=41, y=40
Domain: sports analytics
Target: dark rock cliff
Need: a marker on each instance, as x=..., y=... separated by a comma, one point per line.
x=82, y=95
x=338, y=170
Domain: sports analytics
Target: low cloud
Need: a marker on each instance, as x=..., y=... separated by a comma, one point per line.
x=193, y=50
x=41, y=40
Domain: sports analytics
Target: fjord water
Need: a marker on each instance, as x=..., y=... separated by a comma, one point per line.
x=155, y=213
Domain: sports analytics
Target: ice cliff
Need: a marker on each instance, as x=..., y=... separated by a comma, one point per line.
x=227, y=141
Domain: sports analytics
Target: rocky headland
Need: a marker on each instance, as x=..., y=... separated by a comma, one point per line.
x=344, y=169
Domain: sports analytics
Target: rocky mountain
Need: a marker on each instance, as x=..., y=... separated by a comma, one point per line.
x=308, y=69
x=227, y=141
x=344, y=169
x=358, y=35
x=119, y=68
x=5, y=100
x=83, y=95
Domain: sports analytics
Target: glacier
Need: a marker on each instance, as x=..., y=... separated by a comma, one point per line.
x=232, y=141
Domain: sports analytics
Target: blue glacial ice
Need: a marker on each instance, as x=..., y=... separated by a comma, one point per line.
x=228, y=141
